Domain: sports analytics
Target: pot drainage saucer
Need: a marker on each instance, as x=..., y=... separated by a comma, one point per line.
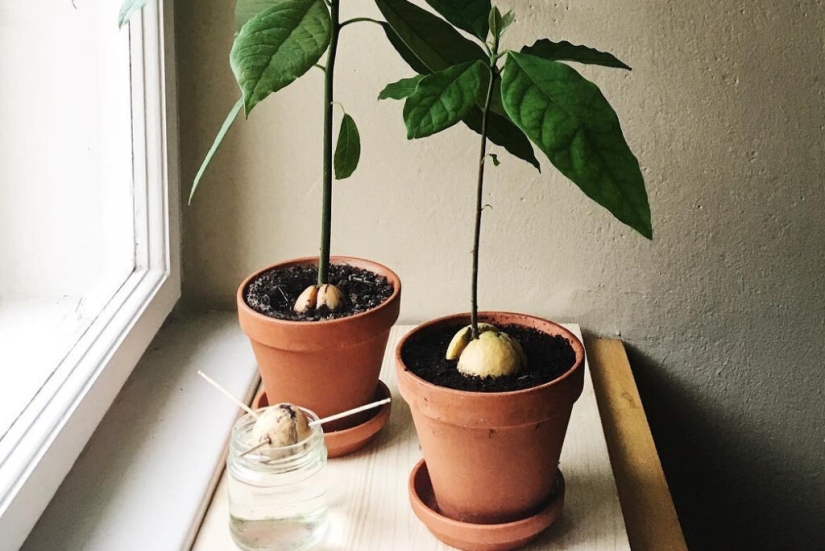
x=347, y=440
x=478, y=537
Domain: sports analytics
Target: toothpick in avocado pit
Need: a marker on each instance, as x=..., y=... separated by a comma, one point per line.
x=284, y=424
x=274, y=427
x=226, y=393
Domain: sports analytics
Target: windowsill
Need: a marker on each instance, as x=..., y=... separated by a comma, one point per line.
x=147, y=474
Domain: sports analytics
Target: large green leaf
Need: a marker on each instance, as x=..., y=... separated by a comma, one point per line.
x=467, y=15
x=127, y=9
x=569, y=119
x=230, y=118
x=277, y=46
x=432, y=40
x=565, y=51
x=247, y=9
x=401, y=89
x=444, y=98
x=406, y=54
x=348, y=149
x=429, y=55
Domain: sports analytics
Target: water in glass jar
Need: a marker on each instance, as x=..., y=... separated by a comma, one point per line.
x=297, y=533
x=277, y=497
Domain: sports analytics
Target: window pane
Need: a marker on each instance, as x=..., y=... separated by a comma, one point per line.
x=66, y=206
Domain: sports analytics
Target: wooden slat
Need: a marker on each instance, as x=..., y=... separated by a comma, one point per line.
x=649, y=514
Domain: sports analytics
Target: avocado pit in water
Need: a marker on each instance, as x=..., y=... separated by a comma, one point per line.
x=280, y=425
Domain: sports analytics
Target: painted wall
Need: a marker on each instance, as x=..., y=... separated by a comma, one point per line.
x=723, y=311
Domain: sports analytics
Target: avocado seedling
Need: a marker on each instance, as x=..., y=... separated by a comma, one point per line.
x=276, y=43
x=511, y=98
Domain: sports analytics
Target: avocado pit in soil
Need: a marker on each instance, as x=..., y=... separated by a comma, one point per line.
x=273, y=293
x=548, y=357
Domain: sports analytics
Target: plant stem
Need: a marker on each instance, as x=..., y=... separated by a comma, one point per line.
x=479, y=198
x=326, y=206
x=360, y=20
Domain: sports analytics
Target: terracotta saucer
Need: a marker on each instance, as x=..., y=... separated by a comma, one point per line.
x=478, y=537
x=343, y=442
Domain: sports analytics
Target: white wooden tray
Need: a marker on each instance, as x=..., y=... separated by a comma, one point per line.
x=369, y=505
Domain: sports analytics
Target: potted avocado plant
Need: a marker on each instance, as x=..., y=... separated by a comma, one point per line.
x=491, y=393
x=318, y=325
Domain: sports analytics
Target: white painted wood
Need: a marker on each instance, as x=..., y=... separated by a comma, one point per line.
x=368, y=491
x=148, y=472
x=29, y=361
x=44, y=441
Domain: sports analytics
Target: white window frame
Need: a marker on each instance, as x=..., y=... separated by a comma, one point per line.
x=53, y=430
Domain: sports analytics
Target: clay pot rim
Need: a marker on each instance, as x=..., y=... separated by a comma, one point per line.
x=257, y=316
x=575, y=343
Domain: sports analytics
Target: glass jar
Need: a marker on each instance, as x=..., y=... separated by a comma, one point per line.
x=277, y=495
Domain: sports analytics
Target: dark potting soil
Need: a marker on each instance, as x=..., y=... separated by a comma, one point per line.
x=548, y=357
x=274, y=293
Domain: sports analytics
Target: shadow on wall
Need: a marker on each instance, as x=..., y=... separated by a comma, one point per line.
x=783, y=510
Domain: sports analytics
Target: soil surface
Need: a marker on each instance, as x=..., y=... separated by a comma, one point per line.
x=273, y=293
x=548, y=357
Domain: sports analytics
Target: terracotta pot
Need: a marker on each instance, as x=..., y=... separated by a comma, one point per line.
x=325, y=366
x=492, y=457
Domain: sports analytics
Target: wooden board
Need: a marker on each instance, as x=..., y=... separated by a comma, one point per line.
x=369, y=505
x=652, y=524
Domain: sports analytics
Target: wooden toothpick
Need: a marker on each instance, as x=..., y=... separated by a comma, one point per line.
x=256, y=447
x=350, y=412
x=226, y=393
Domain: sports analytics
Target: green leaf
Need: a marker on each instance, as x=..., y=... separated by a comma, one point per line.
x=507, y=20
x=467, y=15
x=565, y=51
x=435, y=43
x=569, y=119
x=230, y=118
x=406, y=54
x=348, y=149
x=431, y=45
x=499, y=23
x=444, y=98
x=277, y=46
x=127, y=9
x=401, y=89
x=247, y=9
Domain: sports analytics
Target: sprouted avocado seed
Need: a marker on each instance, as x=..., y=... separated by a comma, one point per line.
x=314, y=297
x=461, y=339
x=307, y=299
x=330, y=296
x=493, y=354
